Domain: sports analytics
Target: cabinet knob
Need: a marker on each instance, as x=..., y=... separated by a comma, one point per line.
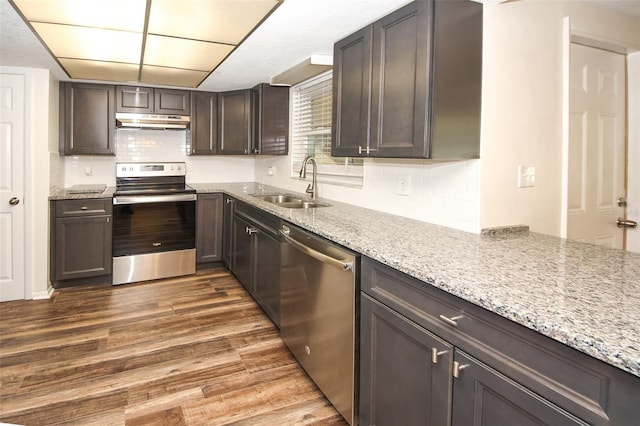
x=435, y=355
x=457, y=368
x=451, y=321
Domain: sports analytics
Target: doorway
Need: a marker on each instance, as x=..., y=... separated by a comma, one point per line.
x=596, y=184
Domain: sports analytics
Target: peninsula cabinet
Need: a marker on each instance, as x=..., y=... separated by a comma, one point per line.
x=409, y=85
x=204, y=123
x=149, y=100
x=256, y=256
x=87, y=119
x=234, y=122
x=81, y=239
x=209, y=213
x=427, y=357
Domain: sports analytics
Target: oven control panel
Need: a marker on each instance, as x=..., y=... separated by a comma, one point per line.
x=150, y=169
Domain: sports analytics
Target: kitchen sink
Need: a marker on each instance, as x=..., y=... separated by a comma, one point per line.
x=291, y=201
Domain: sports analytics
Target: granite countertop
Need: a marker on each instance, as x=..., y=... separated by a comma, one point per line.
x=582, y=295
x=83, y=192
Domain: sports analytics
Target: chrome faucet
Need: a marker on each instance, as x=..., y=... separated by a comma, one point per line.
x=313, y=186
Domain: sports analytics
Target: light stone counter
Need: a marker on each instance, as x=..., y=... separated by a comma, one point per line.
x=582, y=295
x=64, y=194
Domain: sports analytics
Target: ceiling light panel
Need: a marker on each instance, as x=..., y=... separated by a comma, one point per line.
x=67, y=41
x=124, y=15
x=172, y=76
x=96, y=70
x=221, y=21
x=104, y=40
x=183, y=53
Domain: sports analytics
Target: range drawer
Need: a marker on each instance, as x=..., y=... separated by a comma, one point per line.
x=584, y=386
x=84, y=207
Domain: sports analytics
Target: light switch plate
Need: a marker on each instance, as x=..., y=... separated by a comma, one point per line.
x=526, y=176
x=404, y=185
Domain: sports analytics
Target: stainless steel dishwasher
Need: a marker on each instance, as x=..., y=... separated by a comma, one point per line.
x=317, y=313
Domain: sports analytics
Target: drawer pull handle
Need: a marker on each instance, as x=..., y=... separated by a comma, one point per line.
x=457, y=368
x=451, y=321
x=252, y=231
x=229, y=201
x=157, y=244
x=84, y=208
x=435, y=354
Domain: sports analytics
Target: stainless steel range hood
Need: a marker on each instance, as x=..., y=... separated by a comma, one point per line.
x=152, y=121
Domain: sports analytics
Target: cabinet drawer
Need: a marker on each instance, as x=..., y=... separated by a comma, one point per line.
x=584, y=386
x=266, y=221
x=85, y=207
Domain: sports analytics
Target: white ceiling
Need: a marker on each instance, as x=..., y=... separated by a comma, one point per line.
x=296, y=30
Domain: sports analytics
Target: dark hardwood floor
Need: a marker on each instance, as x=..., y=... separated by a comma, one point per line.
x=183, y=351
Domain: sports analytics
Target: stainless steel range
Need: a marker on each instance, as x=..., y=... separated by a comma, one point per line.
x=154, y=215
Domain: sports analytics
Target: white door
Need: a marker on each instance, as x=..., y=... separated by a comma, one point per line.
x=12, y=125
x=597, y=135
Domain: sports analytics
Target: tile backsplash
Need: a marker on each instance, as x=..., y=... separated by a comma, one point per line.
x=134, y=145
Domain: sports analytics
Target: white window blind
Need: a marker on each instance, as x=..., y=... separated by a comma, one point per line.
x=311, y=134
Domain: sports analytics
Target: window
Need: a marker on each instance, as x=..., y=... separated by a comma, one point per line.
x=311, y=134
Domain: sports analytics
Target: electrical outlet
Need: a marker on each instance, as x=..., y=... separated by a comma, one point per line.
x=271, y=171
x=88, y=170
x=526, y=176
x=404, y=185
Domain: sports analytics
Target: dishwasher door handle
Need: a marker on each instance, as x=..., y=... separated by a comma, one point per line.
x=343, y=264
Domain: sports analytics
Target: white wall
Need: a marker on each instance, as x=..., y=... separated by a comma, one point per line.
x=442, y=193
x=522, y=104
x=161, y=146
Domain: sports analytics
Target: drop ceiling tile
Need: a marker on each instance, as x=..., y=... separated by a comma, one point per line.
x=183, y=53
x=125, y=15
x=67, y=41
x=222, y=21
x=96, y=70
x=172, y=76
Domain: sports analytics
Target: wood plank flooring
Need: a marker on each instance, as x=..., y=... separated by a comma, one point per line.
x=185, y=351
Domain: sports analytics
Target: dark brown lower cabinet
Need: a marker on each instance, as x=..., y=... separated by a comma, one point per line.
x=81, y=240
x=430, y=358
x=209, y=213
x=484, y=397
x=399, y=383
x=255, y=259
x=227, y=230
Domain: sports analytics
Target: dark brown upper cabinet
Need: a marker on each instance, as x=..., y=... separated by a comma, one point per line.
x=409, y=85
x=149, y=100
x=234, y=122
x=204, y=123
x=270, y=117
x=87, y=119
x=254, y=121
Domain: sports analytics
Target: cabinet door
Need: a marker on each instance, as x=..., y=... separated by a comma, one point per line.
x=209, y=228
x=83, y=247
x=171, y=101
x=243, y=253
x=132, y=99
x=400, y=82
x=482, y=396
x=87, y=119
x=204, y=123
x=399, y=382
x=268, y=275
x=270, y=113
x=351, y=84
x=227, y=232
x=234, y=122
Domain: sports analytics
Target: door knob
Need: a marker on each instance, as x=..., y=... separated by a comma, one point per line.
x=14, y=201
x=626, y=223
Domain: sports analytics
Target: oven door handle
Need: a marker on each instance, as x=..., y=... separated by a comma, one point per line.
x=139, y=199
